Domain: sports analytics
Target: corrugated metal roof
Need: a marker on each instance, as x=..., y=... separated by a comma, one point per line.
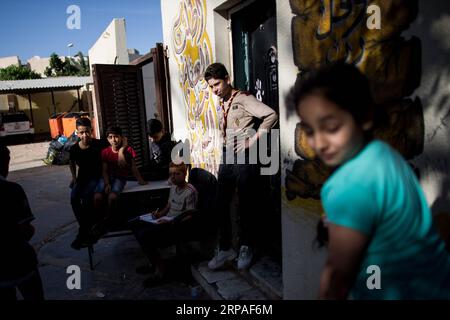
x=46, y=83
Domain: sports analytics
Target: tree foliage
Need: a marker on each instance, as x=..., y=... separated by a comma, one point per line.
x=14, y=72
x=68, y=67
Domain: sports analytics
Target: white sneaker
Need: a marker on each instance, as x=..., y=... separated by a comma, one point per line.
x=245, y=258
x=221, y=258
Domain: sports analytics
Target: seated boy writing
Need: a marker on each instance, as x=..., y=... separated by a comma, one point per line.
x=114, y=176
x=182, y=200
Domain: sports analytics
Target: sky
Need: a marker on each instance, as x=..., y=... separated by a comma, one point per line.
x=38, y=28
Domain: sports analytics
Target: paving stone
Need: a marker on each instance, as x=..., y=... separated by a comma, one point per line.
x=232, y=289
x=212, y=276
x=253, y=294
x=268, y=273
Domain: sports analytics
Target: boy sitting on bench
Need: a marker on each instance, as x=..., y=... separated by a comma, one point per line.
x=114, y=178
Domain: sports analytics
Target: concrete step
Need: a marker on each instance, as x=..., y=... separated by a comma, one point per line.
x=261, y=282
x=266, y=274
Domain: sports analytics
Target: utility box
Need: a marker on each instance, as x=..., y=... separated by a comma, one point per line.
x=69, y=123
x=56, y=125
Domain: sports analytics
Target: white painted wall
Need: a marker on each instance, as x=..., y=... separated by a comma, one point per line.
x=8, y=61
x=110, y=48
x=195, y=112
x=302, y=262
x=432, y=26
x=148, y=75
x=168, y=11
x=38, y=64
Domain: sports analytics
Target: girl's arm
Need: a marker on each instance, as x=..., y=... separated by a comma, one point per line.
x=346, y=250
x=136, y=173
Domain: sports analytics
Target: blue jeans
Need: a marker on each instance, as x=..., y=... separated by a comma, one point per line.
x=81, y=198
x=117, y=185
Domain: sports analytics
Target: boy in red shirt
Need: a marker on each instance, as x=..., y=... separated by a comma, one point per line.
x=114, y=175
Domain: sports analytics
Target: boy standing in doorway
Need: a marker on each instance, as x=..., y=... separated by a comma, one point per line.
x=241, y=112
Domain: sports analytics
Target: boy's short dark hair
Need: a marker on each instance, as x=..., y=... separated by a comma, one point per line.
x=85, y=122
x=154, y=126
x=216, y=71
x=114, y=130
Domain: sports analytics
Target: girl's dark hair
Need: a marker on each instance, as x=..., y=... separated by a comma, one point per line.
x=340, y=83
x=216, y=71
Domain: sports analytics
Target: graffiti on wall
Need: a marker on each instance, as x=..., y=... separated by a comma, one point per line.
x=325, y=31
x=193, y=53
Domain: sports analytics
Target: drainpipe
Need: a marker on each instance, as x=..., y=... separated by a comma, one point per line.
x=53, y=101
x=31, y=109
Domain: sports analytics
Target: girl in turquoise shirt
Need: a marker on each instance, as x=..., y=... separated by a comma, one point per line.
x=382, y=243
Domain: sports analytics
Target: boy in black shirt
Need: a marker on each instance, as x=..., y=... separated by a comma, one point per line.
x=160, y=150
x=86, y=154
x=18, y=267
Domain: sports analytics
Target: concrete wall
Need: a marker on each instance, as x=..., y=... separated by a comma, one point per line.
x=433, y=28
x=133, y=54
x=148, y=76
x=302, y=260
x=7, y=61
x=4, y=102
x=191, y=50
x=111, y=46
x=38, y=64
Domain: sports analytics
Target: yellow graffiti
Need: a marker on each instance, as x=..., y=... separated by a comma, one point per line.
x=193, y=54
x=325, y=31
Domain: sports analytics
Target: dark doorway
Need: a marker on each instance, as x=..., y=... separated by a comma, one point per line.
x=255, y=66
x=255, y=51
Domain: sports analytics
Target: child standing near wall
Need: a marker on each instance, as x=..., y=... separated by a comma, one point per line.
x=378, y=219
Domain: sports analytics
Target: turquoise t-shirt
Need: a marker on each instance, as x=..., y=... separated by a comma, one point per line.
x=377, y=194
